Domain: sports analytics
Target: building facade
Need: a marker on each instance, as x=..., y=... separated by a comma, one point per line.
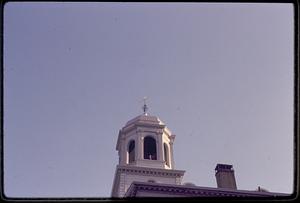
x=146, y=166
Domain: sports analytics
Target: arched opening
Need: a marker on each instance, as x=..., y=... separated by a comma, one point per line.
x=150, y=148
x=166, y=154
x=131, y=151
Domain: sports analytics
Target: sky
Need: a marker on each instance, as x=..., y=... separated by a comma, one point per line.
x=219, y=75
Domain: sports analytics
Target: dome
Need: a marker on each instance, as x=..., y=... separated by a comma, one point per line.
x=145, y=119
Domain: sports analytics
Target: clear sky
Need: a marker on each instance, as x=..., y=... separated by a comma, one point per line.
x=219, y=75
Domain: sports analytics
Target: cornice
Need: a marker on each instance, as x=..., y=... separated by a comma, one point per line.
x=181, y=190
x=150, y=171
x=131, y=127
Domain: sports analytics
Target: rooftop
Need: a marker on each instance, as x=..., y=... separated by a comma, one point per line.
x=159, y=189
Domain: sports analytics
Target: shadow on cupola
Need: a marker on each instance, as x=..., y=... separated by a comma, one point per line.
x=131, y=151
x=150, y=148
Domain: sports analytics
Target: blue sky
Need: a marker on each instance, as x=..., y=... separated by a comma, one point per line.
x=219, y=75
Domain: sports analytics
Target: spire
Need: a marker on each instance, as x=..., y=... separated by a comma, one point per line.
x=145, y=107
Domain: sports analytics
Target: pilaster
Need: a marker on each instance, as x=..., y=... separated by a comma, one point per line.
x=172, y=138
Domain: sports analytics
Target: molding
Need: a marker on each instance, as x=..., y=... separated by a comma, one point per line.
x=150, y=171
x=186, y=191
x=135, y=126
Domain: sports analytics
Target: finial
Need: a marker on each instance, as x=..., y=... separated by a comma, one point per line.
x=145, y=107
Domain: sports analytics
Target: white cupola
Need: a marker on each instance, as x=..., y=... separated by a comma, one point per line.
x=145, y=149
x=146, y=141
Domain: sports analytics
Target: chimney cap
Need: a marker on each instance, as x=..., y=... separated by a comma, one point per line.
x=224, y=167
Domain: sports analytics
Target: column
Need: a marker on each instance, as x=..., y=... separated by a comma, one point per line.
x=159, y=147
x=140, y=146
x=123, y=152
x=171, y=151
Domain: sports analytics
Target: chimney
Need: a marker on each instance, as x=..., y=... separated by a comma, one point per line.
x=225, y=176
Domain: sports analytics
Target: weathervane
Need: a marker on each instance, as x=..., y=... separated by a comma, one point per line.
x=145, y=107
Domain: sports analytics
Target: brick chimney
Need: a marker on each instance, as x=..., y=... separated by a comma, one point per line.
x=225, y=176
